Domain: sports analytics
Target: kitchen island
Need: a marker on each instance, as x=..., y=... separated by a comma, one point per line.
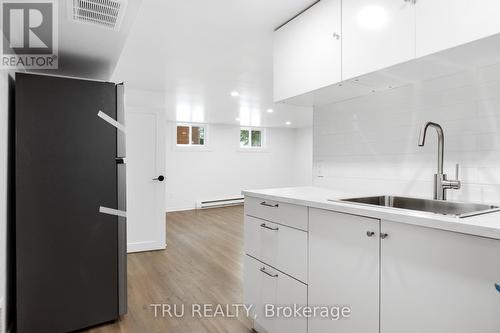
x=396, y=270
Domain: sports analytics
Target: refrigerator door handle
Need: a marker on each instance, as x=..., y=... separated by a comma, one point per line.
x=111, y=121
x=111, y=211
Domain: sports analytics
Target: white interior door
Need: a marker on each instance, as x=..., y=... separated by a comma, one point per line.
x=145, y=196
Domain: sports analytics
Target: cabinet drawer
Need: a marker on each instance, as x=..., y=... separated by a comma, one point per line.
x=279, y=246
x=265, y=285
x=287, y=214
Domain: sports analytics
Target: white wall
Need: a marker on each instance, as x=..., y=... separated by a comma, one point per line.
x=3, y=184
x=224, y=169
x=4, y=116
x=369, y=144
x=303, y=157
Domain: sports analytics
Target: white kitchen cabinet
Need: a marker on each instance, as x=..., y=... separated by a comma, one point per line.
x=442, y=24
x=437, y=281
x=278, y=246
x=376, y=34
x=307, y=51
x=265, y=285
x=344, y=270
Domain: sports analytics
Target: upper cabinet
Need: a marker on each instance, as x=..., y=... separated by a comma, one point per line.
x=442, y=24
x=307, y=51
x=337, y=49
x=376, y=34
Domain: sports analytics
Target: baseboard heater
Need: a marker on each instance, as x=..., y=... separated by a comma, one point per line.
x=222, y=202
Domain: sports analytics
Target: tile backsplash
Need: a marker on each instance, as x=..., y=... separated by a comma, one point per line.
x=368, y=145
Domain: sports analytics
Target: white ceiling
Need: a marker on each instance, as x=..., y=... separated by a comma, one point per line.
x=195, y=52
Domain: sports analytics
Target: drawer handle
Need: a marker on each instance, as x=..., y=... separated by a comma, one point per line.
x=263, y=203
x=263, y=225
x=263, y=270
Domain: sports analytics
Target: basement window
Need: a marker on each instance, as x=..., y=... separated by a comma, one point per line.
x=191, y=135
x=252, y=138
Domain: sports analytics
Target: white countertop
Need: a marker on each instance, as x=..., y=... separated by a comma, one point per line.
x=486, y=225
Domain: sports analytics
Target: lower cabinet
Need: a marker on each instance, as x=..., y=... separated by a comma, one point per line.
x=265, y=285
x=344, y=270
x=401, y=277
x=436, y=281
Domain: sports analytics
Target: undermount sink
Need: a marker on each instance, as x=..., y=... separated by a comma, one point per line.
x=457, y=209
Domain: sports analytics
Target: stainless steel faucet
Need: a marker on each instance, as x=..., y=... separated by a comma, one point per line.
x=441, y=183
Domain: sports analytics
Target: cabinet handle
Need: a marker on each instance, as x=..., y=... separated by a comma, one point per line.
x=263, y=270
x=263, y=203
x=384, y=235
x=336, y=36
x=263, y=225
x=370, y=233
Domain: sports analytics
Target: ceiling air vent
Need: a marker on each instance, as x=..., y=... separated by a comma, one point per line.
x=103, y=13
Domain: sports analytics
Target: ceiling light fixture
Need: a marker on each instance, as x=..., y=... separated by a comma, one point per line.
x=234, y=93
x=270, y=110
x=288, y=123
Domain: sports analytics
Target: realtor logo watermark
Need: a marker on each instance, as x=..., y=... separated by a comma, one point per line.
x=29, y=34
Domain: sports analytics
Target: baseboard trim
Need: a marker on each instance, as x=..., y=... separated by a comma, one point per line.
x=145, y=246
x=172, y=210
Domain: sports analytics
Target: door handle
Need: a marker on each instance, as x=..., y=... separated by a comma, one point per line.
x=160, y=178
x=263, y=270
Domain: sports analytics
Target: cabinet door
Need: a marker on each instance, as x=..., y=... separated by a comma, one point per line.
x=376, y=34
x=273, y=288
x=344, y=270
x=436, y=281
x=442, y=24
x=307, y=53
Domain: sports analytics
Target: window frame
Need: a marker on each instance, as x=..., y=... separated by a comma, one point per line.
x=250, y=129
x=190, y=145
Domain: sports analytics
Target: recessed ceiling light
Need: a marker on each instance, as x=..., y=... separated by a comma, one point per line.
x=234, y=93
x=270, y=110
x=288, y=123
x=237, y=119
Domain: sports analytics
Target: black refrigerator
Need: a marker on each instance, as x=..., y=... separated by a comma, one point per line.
x=69, y=164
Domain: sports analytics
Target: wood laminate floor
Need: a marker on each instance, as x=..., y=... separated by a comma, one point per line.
x=202, y=264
